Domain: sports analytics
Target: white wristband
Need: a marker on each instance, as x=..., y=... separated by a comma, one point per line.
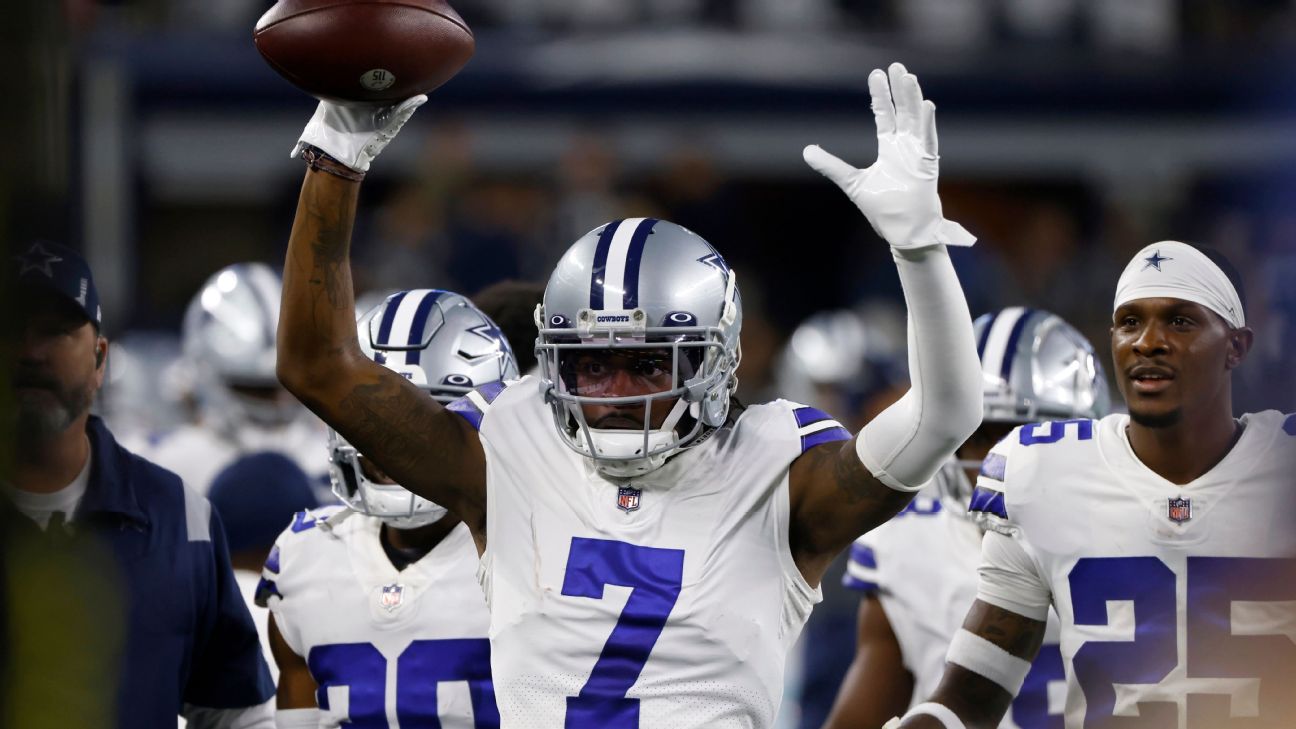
x=939, y=712
x=297, y=719
x=988, y=660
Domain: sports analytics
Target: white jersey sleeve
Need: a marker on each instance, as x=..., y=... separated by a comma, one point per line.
x=287, y=569
x=1009, y=577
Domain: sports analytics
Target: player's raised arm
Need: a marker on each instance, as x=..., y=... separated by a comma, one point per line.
x=424, y=447
x=842, y=491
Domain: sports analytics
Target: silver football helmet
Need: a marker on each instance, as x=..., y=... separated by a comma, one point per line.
x=836, y=358
x=1034, y=366
x=228, y=339
x=443, y=344
x=642, y=288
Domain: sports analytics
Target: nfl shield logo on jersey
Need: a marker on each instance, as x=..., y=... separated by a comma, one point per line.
x=1180, y=510
x=628, y=499
x=391, y=596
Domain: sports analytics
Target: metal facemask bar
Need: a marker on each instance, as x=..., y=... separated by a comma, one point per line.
x=347, y=476
x=568, y=414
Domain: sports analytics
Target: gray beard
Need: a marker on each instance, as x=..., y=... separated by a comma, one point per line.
x=38, y=419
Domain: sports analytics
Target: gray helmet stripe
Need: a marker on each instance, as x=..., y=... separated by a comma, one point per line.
x=269, y=316
x=600, y=263
x=634, y=256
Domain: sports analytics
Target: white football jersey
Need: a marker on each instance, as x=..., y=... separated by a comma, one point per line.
x=1177, y=603
x=198, y=454
x=922, y=566
x=386, y=647
x=668, y=601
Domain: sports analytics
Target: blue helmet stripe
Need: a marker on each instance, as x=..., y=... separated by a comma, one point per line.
x=419, y=324
x=985, y=335
x=600, y=264
x=389, y=318
x=1013, y=338
x=634, y=256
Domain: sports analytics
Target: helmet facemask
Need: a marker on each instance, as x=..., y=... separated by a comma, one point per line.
x=366, y=490
x=686, y=371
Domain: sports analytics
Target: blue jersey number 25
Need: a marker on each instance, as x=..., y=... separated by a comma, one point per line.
x=1214, y=648
x=654, y=577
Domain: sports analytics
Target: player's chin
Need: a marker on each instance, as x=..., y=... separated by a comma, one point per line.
x=1155, y=415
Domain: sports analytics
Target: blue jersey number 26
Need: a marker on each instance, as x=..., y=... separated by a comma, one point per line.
x=1214, y=648
x=654, y=577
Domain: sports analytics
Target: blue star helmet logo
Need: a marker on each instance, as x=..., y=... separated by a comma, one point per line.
x=1154, y=261
x=714, y=260
x=492, y=334
x=37, y=258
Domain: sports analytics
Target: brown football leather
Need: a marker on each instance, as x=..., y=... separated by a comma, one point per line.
x=372, y=51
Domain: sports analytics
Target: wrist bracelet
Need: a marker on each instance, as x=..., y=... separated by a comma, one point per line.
x=318, y=159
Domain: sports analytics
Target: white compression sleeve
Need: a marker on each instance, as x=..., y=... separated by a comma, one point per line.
x=906, y=444
x=297, y=719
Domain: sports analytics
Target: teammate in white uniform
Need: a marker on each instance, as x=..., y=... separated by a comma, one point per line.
x=650, y=553
x=918, y=572
x=1163, y=539
x=378, y=619
x=228, y=338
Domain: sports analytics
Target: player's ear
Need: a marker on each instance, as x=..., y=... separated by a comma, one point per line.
x=1239, y=344
x=101, y=359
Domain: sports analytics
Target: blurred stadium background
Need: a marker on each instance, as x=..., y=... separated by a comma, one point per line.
x=151, y=135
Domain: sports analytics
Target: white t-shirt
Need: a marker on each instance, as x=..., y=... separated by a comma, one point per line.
x=40, y=507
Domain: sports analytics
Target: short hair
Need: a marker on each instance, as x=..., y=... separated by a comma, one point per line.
x=1230, y=271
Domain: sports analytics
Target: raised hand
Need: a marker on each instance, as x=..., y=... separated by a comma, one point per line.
x=355, y=134
x=897, y=193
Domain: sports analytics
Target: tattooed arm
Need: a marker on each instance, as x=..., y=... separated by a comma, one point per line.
x=834, y=500
x=978, y=701
x=424, y=447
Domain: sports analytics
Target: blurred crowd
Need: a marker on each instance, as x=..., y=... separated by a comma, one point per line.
x=1147, y=26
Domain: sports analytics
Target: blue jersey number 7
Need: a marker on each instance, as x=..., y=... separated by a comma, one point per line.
x=654, y=576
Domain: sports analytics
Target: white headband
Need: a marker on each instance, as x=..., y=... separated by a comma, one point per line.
x=1177, y=270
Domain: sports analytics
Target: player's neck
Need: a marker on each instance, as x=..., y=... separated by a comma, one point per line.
x=45, y=465
x=1182, y=452
x=407, y=546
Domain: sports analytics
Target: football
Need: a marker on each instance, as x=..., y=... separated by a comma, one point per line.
x=370, y=51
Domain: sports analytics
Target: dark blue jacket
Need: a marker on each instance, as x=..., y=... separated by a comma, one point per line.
x=188, y=636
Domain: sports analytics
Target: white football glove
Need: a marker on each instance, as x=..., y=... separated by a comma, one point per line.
x=898, y=192
x=355, y=134
x=894, y=723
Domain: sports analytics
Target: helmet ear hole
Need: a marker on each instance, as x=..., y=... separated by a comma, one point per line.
x=349, y=477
